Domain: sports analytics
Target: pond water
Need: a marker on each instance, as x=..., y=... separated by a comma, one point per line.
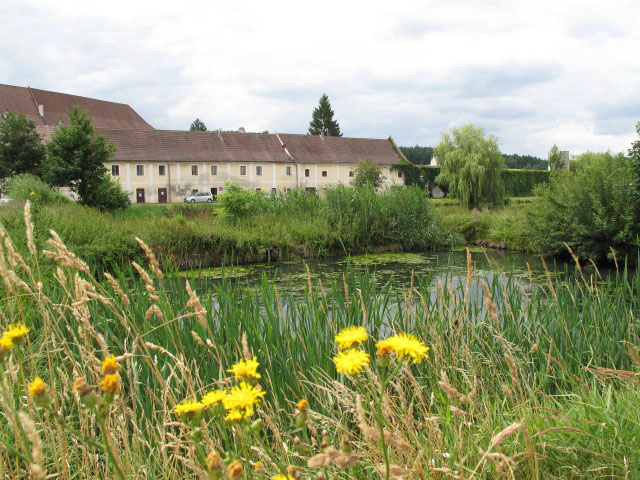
x=397, y=268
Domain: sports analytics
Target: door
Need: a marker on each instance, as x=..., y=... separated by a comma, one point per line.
x=139, y=195
x=214, y=192
x=162, y=195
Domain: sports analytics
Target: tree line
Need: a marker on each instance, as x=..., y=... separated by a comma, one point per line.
x=74, y=158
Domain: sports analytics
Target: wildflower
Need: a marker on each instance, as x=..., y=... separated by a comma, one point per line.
x=351, y=337
x=234, y=470
x=302, y=415
x=213, y=396
x=110, y=365
x=384, y=348
x=243, y=398
x=258, y=467
x=16, y=332
x=245, y=369
x=110, y=384
x=188, y=407
x=87, y=397
x=279, y=476
x=236, y=416
x=351, y=362
x=405, y=345
x=214, y=465
x=32, y=193
x=302, y=405
x=6, y=344
x=37, y=387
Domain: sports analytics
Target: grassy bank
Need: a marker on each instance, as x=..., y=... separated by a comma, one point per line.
x=538, y=385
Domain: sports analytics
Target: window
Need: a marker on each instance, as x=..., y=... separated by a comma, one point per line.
x=162, y=170
x=243, y=169
x=351, y=174
x=288, y=170
x=399, y=174
x=194, y=191
x=194, y=170
x=214, y=169
x=259, y=170
x=115, y=170
x=324, y=173
x=140, y=170
x=307, y=172
x=274, y=190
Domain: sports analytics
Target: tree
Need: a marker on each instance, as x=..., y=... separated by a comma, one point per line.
x=21, y=149
x=322, y=122
x=555, y=158
x=470, y=165
x=634, y=156
x=368, y=174
x=418, y=155
x=198, y=126
x=76, y=160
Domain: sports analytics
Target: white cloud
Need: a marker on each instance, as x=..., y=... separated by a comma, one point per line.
x=533, y=73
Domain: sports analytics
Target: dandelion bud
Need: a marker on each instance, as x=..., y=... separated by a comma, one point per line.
x=87, y=397
x=257, y=425
x=214, y=466
x=345, y=445
x=234, y=470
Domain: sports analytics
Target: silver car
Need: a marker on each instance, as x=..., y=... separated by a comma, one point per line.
x=200, y=197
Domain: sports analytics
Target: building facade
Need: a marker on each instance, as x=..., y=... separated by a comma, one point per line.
x=166, y=166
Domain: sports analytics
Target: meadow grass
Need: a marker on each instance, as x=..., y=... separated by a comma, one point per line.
x=518, y=384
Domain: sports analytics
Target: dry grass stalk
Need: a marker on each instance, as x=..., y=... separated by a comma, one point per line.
x=513, y=372
x=37, y=458
x=29, y=229
x=194, y=302
x=62, y=255
x=151, y=311
x=148, y=282
x=492, y=309
x=116, y=288
x=497, y=440
x=153, y=261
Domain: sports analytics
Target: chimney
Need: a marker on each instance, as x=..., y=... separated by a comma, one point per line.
x=41, y=110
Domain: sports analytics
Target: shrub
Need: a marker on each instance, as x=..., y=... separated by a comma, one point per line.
x=587, y=209
x=108, y=195
x=237, y=202
x=29, y=187
x=521, y=183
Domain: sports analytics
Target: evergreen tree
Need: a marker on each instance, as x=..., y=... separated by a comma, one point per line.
x=322, y=121
x=470, y=165
x=21, y=149
x=198, y=126
x=76, y=160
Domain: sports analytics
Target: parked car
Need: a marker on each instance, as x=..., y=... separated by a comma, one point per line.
x=200, y=197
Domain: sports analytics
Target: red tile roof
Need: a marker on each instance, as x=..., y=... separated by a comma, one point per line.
x=187, y=146
x=104, y=114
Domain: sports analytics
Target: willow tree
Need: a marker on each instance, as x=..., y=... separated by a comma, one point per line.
x=470, y=165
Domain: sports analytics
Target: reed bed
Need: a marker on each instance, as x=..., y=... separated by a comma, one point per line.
x=517, y=383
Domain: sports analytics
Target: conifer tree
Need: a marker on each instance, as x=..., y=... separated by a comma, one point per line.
x=322, y=121
x=198, y=126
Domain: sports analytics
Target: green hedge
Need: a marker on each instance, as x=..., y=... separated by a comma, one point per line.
x=517, y=183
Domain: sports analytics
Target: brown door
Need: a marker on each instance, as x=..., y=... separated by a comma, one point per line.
x=214, y=192
x=139, y=195
x=162, y=195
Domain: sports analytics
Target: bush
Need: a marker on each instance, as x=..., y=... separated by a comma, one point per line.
x=29, y=187
x=587, y=209
x=108, y=195
x=239, y=203
x=521, y=183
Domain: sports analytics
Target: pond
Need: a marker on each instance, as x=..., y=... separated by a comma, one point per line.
x=397, y=268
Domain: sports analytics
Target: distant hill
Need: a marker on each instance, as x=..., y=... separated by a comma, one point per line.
x=422, y=156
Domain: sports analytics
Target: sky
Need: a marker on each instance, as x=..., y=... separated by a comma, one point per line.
x=533, y=73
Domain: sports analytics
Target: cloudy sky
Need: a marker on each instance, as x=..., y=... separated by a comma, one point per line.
x=534, y=73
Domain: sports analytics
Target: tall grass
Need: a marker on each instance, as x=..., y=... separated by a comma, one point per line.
x=561, y=361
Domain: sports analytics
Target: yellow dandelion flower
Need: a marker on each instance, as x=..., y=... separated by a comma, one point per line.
x=405, y=345
x=110, y=384
x=110, y=365
x=245, y=369
x=6, y=344
x=237, y=416
x=213, y=397
x=351, y=337
x=351, y=362
x=384, y=348
x=244, y=398
x=16, y=332
x=37, y=387
x=280, y=476
x=188, y=407
x=302, y=405
x=234, y=470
